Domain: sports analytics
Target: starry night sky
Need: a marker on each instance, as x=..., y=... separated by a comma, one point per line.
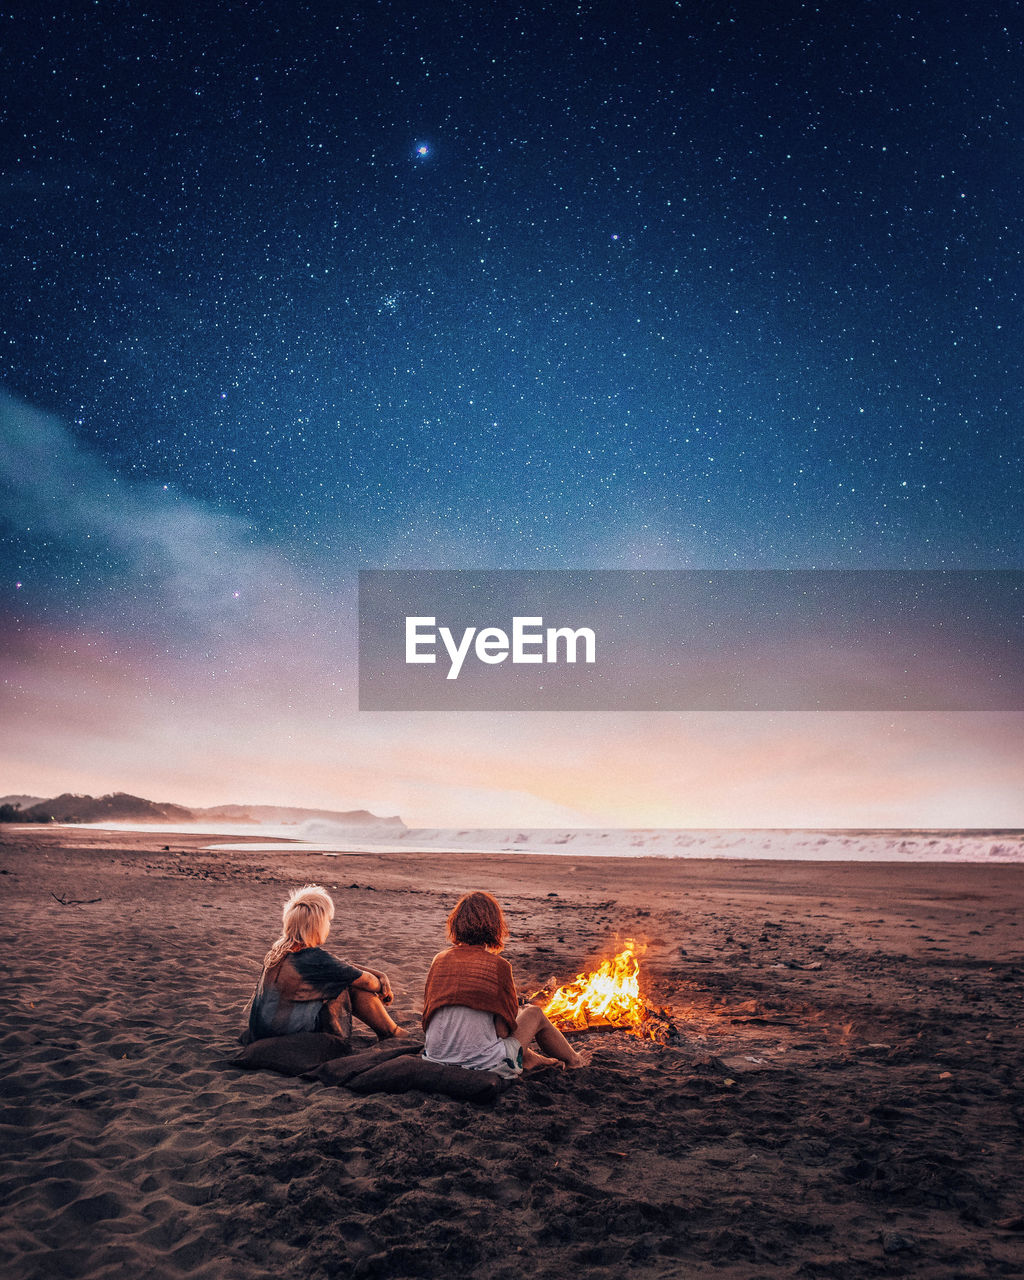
x=295, y=290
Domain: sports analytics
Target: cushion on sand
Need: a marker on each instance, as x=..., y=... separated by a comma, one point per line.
x=291, y=1055
x=342, y=1070
x=402, y=1074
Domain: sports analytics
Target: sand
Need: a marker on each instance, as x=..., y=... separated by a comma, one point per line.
x=844, y=1098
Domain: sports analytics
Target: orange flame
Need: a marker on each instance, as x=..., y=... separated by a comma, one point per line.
x=608, y=997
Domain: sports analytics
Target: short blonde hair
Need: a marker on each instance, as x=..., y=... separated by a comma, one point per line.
x=306, y=922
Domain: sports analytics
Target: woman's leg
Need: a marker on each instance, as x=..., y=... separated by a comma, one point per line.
x=533, y=1024
x=368, y=1008
x=336, y=1016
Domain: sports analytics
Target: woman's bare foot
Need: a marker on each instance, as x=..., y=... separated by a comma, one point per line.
x=533, y=1061
x=392, y=1035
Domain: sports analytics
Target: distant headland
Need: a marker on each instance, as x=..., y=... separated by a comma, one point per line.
x=121, y=807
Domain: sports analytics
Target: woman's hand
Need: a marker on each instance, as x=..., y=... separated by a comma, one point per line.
x=376, y=984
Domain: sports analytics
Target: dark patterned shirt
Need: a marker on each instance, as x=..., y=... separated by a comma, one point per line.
x=295, y=990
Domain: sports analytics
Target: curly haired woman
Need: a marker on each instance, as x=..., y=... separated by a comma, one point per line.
x=471, y=1012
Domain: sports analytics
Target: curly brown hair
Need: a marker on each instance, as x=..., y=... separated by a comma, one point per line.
x=477, y=920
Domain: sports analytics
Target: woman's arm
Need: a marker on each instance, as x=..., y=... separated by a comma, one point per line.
x=510, y=999
x=376, y=983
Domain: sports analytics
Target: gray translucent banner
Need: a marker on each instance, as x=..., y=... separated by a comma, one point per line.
x=691, y=640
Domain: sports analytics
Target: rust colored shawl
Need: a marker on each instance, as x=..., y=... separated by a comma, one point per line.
x=476, y=978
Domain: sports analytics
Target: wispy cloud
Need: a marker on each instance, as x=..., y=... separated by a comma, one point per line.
x=177, y=553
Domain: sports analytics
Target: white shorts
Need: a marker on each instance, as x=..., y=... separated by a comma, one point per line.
x=513, y=1063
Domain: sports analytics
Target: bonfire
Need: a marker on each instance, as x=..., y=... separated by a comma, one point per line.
x=607, y=999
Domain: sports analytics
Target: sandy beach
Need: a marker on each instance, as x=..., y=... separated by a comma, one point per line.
x=843, y=1098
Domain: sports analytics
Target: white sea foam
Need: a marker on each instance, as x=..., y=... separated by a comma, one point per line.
x=796, y=845
x=774, y=845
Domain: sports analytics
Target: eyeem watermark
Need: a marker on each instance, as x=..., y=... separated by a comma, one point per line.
x=691, y=640
x=531, y=642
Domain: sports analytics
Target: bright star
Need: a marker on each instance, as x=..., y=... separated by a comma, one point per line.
x=422, y=150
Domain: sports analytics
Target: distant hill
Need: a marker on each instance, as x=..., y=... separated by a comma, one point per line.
x=283, y=814
x=118, y=807
x=121, y=807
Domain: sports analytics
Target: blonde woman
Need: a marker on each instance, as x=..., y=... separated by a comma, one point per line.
x=303, y=987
